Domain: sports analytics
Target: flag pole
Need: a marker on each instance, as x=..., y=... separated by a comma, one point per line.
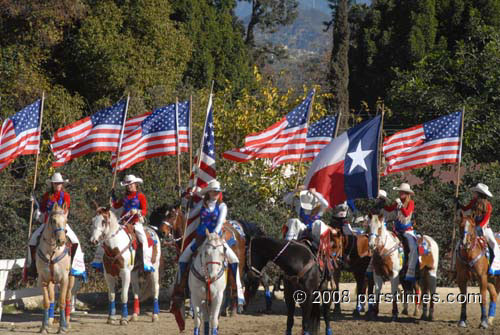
x=457, y=187
x=190, y=132
x=117, y=164
x=380, y=145
x=309, y=112
x=337, y=125
x=198, y=163
x=178, y=146
x=36, y=167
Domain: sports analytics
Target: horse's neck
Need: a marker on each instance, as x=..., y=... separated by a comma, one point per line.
x=282, y=261
x=113, y=235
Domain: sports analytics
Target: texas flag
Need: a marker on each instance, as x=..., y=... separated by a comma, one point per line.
x=347, y=167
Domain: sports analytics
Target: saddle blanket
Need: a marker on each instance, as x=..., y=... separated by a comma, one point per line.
x=424, y=247
x=237, y=227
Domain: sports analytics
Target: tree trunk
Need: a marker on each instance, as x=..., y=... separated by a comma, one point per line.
x=339, y=66
x=254, y=20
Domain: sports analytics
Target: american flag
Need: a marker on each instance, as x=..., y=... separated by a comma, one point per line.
x=319, y=134
x=154, y=135
x=20, y=134
x=98, y=132
x=434, y=142
x=205, y=173
x=281, y=142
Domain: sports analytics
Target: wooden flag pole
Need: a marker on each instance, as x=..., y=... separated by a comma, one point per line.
x=309, y=112
x=36, y=167
x=198, y=163
x=337, y=125
x=190, y=132
x=119, y=150
x=380, y=145
x=178, y=145
x=453, y=236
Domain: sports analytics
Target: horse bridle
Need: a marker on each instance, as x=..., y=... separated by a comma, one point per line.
x=476, y=259
x=56, y=230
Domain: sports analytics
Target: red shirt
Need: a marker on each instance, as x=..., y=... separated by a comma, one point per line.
x=142, y=201
x=54, y=197
x=406, y=211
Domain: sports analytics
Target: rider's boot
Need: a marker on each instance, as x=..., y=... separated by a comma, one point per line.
x=31, y=272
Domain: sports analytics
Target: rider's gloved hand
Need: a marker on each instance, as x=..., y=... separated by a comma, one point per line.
x=400, y=204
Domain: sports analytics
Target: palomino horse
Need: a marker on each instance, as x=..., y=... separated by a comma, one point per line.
x=304, y=282
x=118, y=260
x=351, y=253
x=387, y=265
x=472, y=263
x=53, y=263
x=207, y=283
x=172, y=228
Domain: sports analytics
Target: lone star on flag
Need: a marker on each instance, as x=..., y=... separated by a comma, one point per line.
x=358, y=157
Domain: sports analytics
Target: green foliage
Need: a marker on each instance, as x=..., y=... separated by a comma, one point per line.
x=444, y=82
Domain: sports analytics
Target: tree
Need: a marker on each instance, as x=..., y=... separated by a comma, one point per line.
x=268, y=15
x=339, y=64
x=219, y=51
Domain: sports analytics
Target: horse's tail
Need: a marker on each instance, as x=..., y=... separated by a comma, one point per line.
x=315, y=318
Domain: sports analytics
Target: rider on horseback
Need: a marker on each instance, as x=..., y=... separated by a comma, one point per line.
x=339, y=219
x=58, y=195
x=309, y=205
x=481, y=209
x=403, y=225
x=135, y=208
x=212, y=211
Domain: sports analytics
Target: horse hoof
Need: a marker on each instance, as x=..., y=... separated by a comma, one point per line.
x=484, y=324
x=155, y=318
x=394, y=318
x=405, y=312
x=356, y=314
x=490, y=320
x=462, y=324
x=134, y=318
x=111, y=321
x=124, y=322
x=43, y=330
x=62, y=330
x=424, y=317
x=51, y=321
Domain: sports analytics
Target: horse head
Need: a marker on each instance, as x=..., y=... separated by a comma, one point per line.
x=101, y=224
x=58, y=220
x=467, y=228
x=213, y=254
x=376, y=226
x=171, y=227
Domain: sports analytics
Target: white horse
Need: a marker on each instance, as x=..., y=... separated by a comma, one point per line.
x=53, y=263
x=207, y=282
x=119, y=262
x=387, y=264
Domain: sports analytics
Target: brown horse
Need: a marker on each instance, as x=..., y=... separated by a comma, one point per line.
x=172, y=228
x=351, y=253
x=472, y=263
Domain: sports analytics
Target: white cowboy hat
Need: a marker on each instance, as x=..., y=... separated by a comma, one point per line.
x=482, y=188
x=130, y=179
x=307, y=200
x=382, y=195
x=360, y=219
x=404, y=187
x=57, y=179
x=340, y=211
x=213, y=185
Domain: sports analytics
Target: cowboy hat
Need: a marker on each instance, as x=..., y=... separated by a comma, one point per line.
x=56, y=179
x=213, y=185
x=307, y=200
x=404, y=187
x=130, y=179
x=482, y=188
x=382, y=195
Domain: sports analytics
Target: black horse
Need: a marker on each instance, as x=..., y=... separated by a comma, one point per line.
x=302, y=278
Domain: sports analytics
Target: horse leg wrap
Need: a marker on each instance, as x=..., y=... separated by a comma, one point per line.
x=156, y=307
x=112, y=308
x=493, y=308
x=45, y=318
x=137, y=309
x=51, y=310
x=68, y=308
x=62, y=321
x=124, y=310
x=267, y=294
x=196, y=331
x=215, y=331
x=329, y=331
x=206, y=328
x=483, y=312
x=417, y=293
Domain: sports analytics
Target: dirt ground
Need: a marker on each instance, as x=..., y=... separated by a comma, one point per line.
x=94, y=323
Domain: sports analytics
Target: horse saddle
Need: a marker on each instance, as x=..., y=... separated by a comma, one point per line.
x=129, y=228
